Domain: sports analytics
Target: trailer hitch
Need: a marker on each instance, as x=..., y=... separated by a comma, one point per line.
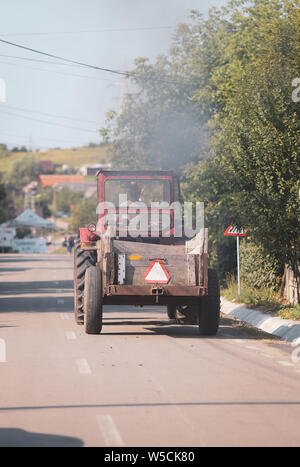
x=157, y=290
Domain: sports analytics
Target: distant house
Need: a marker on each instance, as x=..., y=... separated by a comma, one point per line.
x=52, y=180
x=47, y=165
x=88, y=169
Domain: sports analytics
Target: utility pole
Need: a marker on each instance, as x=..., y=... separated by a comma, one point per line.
x=238, y=263
x=54, y=205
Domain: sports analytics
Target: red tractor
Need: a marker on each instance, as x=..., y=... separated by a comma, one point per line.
x=137, y=254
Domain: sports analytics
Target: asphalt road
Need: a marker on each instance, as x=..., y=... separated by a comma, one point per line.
x=143, y=382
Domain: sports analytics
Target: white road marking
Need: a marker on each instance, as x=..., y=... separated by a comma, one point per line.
x=109, y=431
x=70, y=335
x=284, y=363
x=266, y=355
x=60, y=301
x=64, y=315
x=83, y=366
x=251, y=347
x=2, y=351
x=58, y=290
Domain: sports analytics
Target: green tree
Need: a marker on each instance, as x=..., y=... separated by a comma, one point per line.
x=6, y=205
x=44, y=200
x=218, y=108
x=66, y=198
x=256, y=137
x=23, y=171
x=83, y=214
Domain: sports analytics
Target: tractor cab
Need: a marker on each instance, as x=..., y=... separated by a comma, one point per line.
x=137, y=205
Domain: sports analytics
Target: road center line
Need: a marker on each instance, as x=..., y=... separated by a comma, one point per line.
x=64, y=316
x=266, y=355
x=251, y=347
x=284, y=363
x=83, y=366
x=70, y=335
x=2, y=351
x=109, y=431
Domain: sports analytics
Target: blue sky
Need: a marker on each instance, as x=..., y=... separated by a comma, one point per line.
x=106, y=33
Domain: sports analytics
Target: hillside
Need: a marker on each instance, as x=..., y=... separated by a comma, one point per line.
x=73, y=157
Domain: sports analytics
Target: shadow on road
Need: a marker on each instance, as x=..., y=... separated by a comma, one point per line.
x=151, y=404
x=14, y=437
x=41, y=287
x=228, y=329
x=21, y=259
x=35, y=304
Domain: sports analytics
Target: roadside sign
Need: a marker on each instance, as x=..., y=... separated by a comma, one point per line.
x=157, y=273
x=233, y=231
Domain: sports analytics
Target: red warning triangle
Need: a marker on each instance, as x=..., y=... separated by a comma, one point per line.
x=157, y=273
x=233, y=231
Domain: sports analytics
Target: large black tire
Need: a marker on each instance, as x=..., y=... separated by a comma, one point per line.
x=171, y=311
x=92, y=301
x=209, y=316
x=83, y=259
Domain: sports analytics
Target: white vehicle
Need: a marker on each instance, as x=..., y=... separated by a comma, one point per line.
x=7, y=235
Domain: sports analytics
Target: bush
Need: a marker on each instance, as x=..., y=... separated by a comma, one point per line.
x=253, y=297
x=83, y=214
x=258, y=268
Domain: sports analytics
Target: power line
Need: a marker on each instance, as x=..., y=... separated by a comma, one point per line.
x=60, y=72
x=24, y=139
x=40, y=61
x=47, y=33
x=50, y=115
x=47, y=122
x=95, y=67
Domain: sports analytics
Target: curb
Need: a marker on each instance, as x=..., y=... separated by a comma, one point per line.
x=284, y=328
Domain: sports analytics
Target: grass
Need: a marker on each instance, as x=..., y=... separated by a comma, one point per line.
x=73, y=157
x=263, y=299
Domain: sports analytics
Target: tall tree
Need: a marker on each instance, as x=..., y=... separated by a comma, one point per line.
x=222, y=99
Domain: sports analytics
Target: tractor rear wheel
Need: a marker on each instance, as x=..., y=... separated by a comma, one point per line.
x=209, y=315
x=83, y=259
x=92, y=300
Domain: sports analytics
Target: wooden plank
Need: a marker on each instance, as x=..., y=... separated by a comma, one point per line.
x=147, y=249
x=205, y=259
x=110, y=269
x=179, y=261
x=191, y=269
x=196, y=244
x=205, y=246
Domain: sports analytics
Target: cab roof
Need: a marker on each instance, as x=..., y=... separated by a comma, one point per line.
x=142, y=172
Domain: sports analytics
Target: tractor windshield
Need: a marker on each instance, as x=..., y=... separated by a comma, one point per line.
x=123, y=192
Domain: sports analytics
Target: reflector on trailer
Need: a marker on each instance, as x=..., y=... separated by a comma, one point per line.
x=157, y=273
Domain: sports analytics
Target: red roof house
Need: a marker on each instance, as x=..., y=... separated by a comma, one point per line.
x=51, y=180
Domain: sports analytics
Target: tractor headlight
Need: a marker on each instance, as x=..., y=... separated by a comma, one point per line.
x=92, y=227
